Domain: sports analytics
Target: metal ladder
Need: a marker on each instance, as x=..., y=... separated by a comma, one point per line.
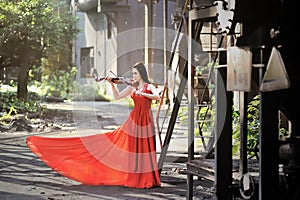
x=178, y=103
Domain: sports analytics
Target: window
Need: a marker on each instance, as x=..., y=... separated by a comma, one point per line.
x=86, y=62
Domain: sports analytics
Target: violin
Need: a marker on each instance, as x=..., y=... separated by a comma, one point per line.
x=120, y=80
x=117, y=80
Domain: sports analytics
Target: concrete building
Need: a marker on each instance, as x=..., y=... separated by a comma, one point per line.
x=115, y=34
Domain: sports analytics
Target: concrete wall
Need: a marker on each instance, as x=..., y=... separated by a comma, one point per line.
x=119, y=39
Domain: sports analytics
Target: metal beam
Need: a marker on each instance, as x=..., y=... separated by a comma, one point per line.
x=268, y=147
x=223, y=147
x=173, y=118
x=207, y=14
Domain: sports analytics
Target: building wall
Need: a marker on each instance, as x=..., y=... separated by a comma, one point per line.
x=118, y=39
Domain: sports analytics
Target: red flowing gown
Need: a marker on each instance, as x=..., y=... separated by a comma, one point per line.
x=123, y=157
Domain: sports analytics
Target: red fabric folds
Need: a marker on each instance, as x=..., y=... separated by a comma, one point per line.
x=124, y=157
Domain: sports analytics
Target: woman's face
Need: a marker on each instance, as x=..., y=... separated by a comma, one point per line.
x=136, y=75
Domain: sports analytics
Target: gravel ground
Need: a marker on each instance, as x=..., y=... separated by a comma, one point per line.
x=23, y=176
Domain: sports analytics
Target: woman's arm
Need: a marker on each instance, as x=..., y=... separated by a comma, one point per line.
x=122, y=94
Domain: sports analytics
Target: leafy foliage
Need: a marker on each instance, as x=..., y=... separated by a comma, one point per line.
x=253, y=125
x=34, y=29
x=58, y=84
x=36, y=22
x=87, y=93
x=9, y=102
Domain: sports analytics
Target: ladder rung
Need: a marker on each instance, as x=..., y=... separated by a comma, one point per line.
x=208, y=136
x=202, y=105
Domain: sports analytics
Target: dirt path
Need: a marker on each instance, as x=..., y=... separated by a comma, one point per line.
x=23, y=176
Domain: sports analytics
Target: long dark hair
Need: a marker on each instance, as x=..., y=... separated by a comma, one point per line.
x=142, y=70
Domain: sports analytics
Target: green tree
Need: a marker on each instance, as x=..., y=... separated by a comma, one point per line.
x=31, y=30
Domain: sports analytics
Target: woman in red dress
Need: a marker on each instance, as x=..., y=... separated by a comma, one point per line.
x=123, y=157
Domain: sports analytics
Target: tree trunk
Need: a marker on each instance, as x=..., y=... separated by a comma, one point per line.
x=24, y=66
x=22, y=83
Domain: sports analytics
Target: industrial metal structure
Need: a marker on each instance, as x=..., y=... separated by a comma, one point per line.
x=255, y=29
x=263, y=27
x=262, y=33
